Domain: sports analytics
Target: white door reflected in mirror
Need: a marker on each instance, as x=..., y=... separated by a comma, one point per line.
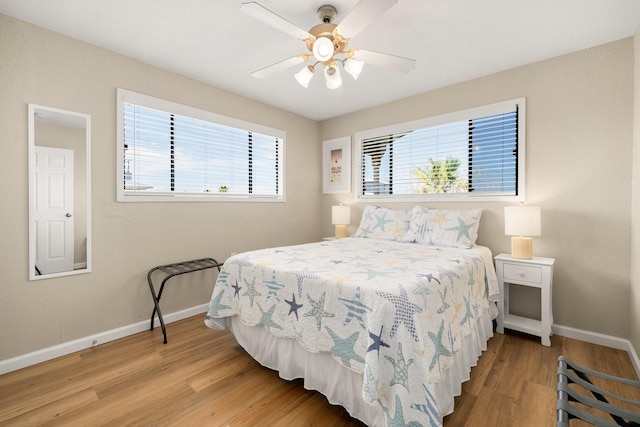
x=59, y=199
x=53, y=170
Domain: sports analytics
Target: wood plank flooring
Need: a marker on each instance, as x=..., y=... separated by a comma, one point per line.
x=204, y=378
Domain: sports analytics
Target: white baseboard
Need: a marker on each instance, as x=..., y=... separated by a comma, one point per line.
x=601, y=339
x=79, y=265
x=63, y=349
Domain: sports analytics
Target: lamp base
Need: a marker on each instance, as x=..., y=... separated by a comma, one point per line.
x=341, y=231
x=521, y=247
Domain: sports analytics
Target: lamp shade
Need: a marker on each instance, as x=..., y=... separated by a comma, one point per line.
x=340, y=215
x=522, y=221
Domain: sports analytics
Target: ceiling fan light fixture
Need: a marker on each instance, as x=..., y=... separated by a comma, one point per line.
x=326, y=41
x=353, y=67
x=332, y=76
x=304, y=76
x=323, y=49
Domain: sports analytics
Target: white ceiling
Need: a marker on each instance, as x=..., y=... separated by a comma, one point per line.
x=452, y=41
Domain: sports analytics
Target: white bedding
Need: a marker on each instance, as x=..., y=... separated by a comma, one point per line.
x=403, y=322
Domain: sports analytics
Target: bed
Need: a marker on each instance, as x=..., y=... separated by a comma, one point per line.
x=387, y=323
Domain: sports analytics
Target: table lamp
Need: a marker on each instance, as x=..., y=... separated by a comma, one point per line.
x=521, y=222
x=341, y=217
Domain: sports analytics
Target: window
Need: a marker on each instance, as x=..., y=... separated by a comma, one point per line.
x=170, y=152
x=476, y=153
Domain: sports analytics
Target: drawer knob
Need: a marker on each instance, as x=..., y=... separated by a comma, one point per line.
x=521, y=273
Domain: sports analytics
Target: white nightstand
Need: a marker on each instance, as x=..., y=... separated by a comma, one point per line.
x=536, y=272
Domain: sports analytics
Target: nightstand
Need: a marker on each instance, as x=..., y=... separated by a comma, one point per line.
x=536, y=272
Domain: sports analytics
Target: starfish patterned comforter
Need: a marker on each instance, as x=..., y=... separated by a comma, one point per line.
x=394, y=312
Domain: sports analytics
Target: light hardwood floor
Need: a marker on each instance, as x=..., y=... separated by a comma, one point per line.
x=204, y=378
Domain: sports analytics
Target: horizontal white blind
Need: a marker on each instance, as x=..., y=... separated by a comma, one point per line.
x=465, y=156
x=167, y=153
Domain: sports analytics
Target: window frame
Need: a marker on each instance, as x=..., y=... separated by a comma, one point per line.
x=129, y=97
x=471, y=113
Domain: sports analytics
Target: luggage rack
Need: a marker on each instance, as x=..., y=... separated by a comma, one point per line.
x=172, y=270
x=570, y=373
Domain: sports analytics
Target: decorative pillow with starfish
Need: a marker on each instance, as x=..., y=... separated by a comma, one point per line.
x=383, y=223
x=442, y=227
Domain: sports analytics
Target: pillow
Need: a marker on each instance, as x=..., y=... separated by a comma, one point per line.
x=382, y=223
x=441, y=227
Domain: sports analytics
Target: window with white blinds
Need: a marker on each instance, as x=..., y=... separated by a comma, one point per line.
x=476, y=153
x=169, y=151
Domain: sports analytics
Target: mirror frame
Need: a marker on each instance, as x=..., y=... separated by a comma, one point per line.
x=32, y=110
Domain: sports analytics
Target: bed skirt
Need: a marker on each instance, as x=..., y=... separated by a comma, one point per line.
x=343, y=386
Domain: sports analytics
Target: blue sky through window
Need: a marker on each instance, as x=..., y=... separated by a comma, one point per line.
x=205, y=155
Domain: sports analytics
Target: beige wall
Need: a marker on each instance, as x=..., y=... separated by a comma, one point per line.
x=45, y=68
x=578, y=169
x=634, y=332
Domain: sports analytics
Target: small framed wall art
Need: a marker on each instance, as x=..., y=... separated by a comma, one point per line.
x=336, y=165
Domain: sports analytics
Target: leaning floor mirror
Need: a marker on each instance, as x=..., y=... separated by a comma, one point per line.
x=59, y=192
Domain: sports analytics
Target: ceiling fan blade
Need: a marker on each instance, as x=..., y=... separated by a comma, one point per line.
x=384, y=60
x=279, y=66
x=363, y=14
x=268, y=17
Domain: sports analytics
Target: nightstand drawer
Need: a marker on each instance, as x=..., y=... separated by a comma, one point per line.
x=521, y=272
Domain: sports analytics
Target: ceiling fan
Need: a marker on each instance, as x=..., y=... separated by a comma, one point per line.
x=327, y=42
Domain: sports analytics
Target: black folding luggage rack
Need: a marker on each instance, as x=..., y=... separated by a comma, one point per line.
x=171, y=270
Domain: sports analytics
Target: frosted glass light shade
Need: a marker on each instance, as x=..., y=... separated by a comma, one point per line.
x=304, y=76
x=332, y=77
x=323, y=49
x=353, y=67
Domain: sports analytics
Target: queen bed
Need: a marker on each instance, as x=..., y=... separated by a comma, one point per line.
x=387, y=323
